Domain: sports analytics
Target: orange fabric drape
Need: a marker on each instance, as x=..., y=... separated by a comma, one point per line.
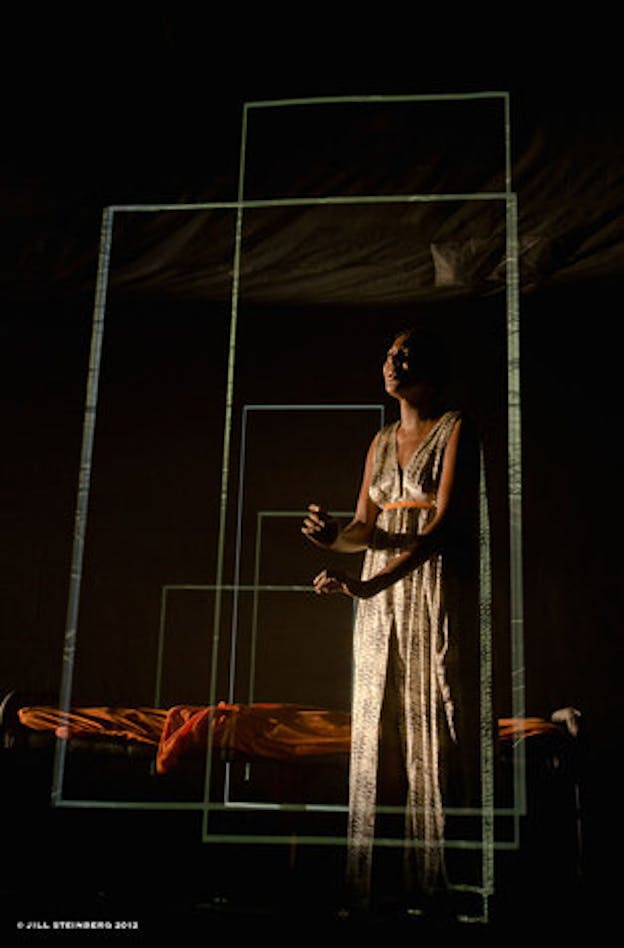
x=134, y=724
x=277, y=731
x=509, y=728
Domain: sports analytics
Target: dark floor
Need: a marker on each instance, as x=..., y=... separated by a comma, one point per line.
x=148, y=873
x=152, y=878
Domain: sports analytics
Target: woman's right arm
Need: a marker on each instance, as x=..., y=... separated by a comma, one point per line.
x=325, y=531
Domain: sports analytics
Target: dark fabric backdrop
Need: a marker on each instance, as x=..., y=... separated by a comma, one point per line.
x=151, y=125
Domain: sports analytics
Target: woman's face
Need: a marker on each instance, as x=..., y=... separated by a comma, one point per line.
x=403, y=377
x=396, y=368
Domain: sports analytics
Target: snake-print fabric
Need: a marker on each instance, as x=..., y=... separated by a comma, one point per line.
x=412, y=610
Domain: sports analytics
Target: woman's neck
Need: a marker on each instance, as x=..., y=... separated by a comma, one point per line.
x=417, y=418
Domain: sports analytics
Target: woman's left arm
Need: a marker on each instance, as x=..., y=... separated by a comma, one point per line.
x=425, y=544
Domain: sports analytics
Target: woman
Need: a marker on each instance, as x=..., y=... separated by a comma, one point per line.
x=406, y=521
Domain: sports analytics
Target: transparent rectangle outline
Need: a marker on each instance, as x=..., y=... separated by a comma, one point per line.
x=85, y=466
x=240, y=499
x=260, y=517
x=514, y=427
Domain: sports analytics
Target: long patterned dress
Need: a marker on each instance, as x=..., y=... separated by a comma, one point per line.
x=408, y=621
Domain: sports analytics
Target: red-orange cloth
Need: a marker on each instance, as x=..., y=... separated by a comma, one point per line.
x=133, y=724
x=277, y=731
x=510, y=728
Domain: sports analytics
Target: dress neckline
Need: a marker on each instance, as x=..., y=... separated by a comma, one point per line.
x=417, y=449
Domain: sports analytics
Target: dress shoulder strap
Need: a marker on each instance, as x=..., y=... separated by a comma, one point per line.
x=383, y=446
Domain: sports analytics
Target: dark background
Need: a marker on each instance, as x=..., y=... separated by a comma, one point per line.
x=146, y=113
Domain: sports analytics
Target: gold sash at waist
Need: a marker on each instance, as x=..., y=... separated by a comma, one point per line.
x=401, y=504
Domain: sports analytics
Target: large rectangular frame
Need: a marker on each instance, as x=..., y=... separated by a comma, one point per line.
x=509, y=198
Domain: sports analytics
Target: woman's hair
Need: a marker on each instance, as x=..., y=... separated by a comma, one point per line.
x=428, y=355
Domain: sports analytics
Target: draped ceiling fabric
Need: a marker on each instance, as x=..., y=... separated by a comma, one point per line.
x=568, y=178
